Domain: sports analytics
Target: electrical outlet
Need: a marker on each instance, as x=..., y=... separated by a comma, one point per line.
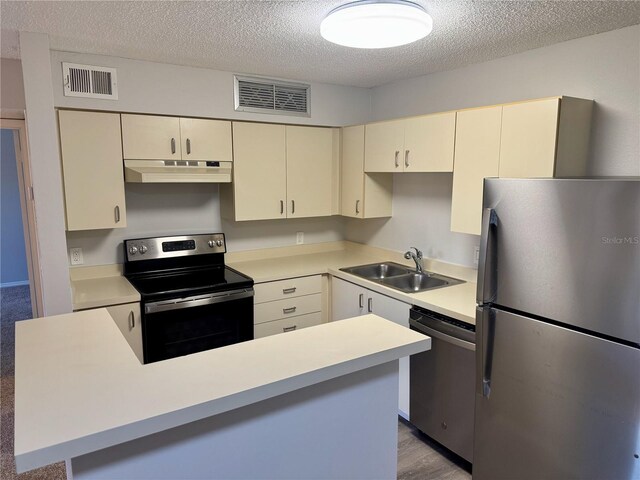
x=75, y=254
x=299, y=238
x=476, y=255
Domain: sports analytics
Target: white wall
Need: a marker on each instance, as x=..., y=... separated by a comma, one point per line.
x=151, y=87
x=604, y=67
x=46, y=173
x=11, y=86
x=13, y=259
x=174, y=209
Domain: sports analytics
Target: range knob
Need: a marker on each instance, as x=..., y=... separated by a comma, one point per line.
x=143, y=248
x=133, y=250
x=219, y=243
x=211, y=243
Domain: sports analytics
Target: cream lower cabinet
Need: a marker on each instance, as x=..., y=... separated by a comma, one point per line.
x=91, y=148
x=150, y=137
x=350, y=300
x=281, y=171
x=287, y=305
x=417, y=144
x=363, y=195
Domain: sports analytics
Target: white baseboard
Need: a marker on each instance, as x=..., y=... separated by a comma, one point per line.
x=14, y=284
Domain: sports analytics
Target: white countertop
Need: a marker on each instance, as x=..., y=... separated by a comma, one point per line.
x=79, y=387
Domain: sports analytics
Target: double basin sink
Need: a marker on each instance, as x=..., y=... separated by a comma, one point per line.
x=401, y=277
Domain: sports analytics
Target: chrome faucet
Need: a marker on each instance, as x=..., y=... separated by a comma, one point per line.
x=417, y=257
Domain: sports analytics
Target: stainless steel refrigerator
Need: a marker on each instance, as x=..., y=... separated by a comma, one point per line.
x=558, y=330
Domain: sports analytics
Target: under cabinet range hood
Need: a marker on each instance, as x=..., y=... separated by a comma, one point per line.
x=176, y=171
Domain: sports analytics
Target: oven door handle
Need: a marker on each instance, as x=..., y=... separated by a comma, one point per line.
x=197, y=301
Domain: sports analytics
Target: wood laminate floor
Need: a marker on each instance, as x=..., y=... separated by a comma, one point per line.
x=420, y=458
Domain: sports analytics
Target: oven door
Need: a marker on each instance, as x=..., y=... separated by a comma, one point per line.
x=175, y=327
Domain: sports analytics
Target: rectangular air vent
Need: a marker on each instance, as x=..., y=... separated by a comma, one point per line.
x=263, y=95
x=89, y=81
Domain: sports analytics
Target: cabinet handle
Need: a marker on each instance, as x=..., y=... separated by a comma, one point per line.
x=293, y=206
x=289, y=329
x=397, y=155
x=281, y=207
x=289, y=310
x=289, y=290
x=116, y=212
x=173, y=145
x=188, y=146
x=406, y=158
x=357, y=206
x=132, y=320
x=361, y=300
x=370, y=305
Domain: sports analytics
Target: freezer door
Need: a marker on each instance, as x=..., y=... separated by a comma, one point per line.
x=553, y=403
x=566, y=250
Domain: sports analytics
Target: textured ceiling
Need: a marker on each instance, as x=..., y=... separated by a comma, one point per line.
x=281, y=38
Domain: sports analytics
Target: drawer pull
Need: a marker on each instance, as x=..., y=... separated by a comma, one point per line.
x=289, y=329
x=370, y=305
x=289, y=290
x=361, y=300
x=289, y=310
x=132, y=321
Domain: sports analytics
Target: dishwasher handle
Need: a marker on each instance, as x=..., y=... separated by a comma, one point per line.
x=432, y=332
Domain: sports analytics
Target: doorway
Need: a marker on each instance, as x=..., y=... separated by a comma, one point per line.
x=20, y=283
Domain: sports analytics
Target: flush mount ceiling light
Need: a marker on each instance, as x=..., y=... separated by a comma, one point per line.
x=376, y=24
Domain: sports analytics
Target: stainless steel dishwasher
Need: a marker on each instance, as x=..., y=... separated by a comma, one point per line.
x=442, y=381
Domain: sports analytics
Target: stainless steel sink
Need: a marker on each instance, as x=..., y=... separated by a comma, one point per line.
x=378, y=271
x=401, y=277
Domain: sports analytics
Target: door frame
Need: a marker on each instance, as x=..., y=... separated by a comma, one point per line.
x=29, y=223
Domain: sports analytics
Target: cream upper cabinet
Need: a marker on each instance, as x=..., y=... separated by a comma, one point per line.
x=362, y=195
x=91, y=147
x=206, y=139
x=545, y=138
x=384, y=146
x=477, y=155
x=260, y=171
x=429, y=143
x=309, y=171
x=147, y=137
x=416, y=144
x=281, y=172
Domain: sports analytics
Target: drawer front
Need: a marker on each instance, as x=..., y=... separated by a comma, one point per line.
x=287, y=325
x=291, y=287
x=290, y=307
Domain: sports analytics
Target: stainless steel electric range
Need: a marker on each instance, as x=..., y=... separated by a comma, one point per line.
x=190, y=300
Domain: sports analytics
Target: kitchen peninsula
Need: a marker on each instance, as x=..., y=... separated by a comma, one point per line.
x=318, y=402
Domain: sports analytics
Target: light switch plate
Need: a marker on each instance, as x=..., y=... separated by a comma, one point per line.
x=476, y=255
x=299, y=238
x=75, y=254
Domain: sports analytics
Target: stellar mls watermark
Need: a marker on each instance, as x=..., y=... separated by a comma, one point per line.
x=615, y=240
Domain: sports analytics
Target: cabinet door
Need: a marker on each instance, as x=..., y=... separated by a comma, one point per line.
x=347, y=300
x=91, y=147
x=145, y=137
x=429, y=143
x=477, y=156
x=528, y=142
x=352, y=174
x=206, y=139
x=127, y=318
x=398, y=312
x=309, y=171
x=259, y=172
x=384, y=145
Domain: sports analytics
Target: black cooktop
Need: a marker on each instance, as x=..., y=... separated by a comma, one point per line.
x=180, y=284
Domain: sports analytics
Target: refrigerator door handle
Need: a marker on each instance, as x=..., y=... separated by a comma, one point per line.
x=486, y=268
x=486, y=333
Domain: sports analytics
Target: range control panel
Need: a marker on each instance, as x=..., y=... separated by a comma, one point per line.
x=168, y=247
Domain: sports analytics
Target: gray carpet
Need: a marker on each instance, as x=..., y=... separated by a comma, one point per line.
x=15, y=305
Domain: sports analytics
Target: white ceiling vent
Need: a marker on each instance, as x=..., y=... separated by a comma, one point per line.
x=89, y=81
x=263, y=95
